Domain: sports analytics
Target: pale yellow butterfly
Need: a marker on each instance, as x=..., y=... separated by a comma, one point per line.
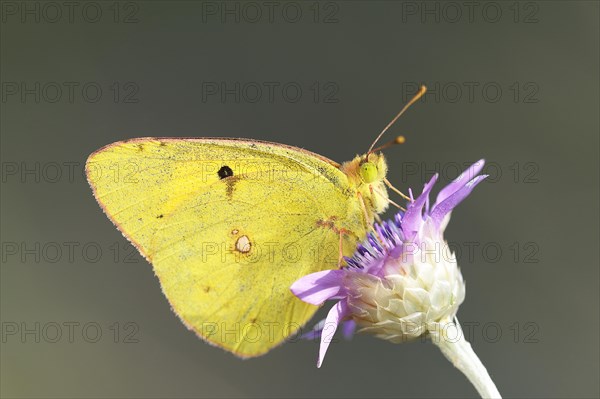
x=230, y=224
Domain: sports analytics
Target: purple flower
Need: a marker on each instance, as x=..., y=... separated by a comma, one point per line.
x=403, y=281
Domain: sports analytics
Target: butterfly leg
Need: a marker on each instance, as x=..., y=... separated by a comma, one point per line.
x=406, y=197
x=363, y=206
x=341, y=232
x=387, y=199
x=329, y=223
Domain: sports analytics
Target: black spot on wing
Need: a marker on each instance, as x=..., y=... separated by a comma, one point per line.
x=225, y=172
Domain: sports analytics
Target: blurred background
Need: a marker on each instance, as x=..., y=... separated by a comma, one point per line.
x=515, y=83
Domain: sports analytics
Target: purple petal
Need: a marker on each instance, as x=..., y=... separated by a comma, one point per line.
x=315, y=332
x=413, y=217
x=311, y=335
x=318, y=287
x=348, y=328
x=442, y=209
x=460, y=181
x=335, y=315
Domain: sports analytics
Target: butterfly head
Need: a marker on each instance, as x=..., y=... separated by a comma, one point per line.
x=372, y=168
x=367, y=174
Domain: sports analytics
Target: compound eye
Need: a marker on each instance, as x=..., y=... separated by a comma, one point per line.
x=368, y=172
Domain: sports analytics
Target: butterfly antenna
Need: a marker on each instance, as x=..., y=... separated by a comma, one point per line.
x=417, y=96
x=397, y=140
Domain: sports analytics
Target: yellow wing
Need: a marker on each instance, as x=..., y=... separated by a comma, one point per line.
x=229, y=225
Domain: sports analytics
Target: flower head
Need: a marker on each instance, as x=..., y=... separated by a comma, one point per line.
x=403, y=281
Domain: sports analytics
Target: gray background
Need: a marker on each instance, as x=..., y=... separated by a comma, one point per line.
x=542, y=147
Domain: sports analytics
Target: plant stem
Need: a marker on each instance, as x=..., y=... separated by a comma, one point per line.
x=457, y=349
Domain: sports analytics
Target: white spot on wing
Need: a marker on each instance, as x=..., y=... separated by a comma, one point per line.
x=243, y=244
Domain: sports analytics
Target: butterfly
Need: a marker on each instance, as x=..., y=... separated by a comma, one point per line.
x=230, y=224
